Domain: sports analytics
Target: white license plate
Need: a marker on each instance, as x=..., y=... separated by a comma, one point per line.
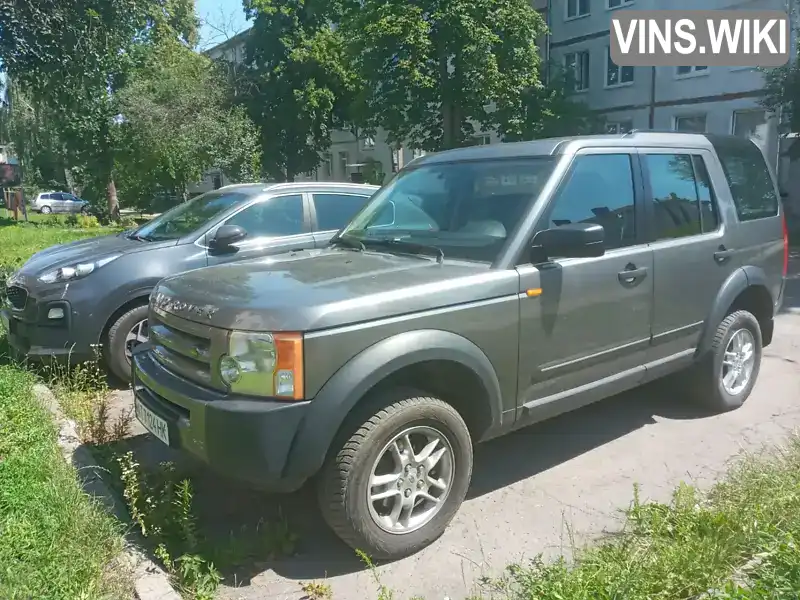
x=152, y=422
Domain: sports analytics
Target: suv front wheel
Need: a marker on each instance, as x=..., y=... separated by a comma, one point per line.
x=394, y=485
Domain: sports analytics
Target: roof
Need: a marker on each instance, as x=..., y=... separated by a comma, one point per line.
x=566, y=145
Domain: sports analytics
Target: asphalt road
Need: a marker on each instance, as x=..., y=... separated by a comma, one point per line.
x=544, y=489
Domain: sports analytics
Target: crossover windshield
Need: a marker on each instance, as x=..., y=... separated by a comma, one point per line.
x=188, y=216
x=463, y=210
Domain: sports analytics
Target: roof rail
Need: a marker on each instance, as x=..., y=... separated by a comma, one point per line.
x=633, y=131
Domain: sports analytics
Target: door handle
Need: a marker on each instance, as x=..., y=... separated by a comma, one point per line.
x=631, y=274
x=722, y=255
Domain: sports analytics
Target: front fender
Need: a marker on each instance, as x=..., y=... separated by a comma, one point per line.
x=342, y=392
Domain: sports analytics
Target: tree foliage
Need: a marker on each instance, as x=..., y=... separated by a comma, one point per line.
x=296, y=84
x=432, y=70
x=176, y=124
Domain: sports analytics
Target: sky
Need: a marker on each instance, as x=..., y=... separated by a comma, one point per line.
x=227, y=15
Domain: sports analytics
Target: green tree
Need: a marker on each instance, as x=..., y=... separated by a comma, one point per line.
x=296, y=83
x=176, y=124
x=431, y=69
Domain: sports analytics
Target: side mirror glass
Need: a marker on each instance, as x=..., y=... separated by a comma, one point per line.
x=575, y=240
x=225, y=237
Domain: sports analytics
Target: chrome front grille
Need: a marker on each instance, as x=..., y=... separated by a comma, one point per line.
x=17, y=296
x=184, y=347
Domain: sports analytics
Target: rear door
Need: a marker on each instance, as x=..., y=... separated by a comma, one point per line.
x=331, y=211
x=275, y=224
x=59, y=204
x=693, y=253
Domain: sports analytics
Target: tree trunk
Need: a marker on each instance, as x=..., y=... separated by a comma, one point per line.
x=111, y=197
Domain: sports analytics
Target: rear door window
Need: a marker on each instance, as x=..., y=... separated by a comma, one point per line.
x=750, y=181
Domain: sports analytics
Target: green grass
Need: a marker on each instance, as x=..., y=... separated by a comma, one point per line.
x=696, y=543
x=21, y=240
x=55, y=542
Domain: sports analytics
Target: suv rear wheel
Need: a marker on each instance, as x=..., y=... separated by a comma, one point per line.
x=394, y=485
x=725, y=379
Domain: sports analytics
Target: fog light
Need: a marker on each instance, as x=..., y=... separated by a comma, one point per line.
x=284, y=383
x=229, y=370
x=55, y=313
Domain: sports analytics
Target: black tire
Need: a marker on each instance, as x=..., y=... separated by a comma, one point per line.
x=114, y=348
x=342, y=485
x=45, y=210
x=706, y=385
x=85, y=210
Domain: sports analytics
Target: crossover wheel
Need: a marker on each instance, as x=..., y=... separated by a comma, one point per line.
x=395, y=484
x=127, y=332
x=45, y=210
x=724, y=380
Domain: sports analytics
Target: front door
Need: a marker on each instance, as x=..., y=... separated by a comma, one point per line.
x=273, y=225
x=587, y=320
x=693, y=253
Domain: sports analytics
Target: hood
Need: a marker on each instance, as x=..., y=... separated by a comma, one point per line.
x=94, y=248
x=317, y=289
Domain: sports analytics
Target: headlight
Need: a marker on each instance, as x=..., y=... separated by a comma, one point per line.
x=264, y=364
x=75, y=271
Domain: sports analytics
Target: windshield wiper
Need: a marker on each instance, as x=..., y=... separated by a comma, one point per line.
x=138, y=237
x=412, y=247
x=347, y=241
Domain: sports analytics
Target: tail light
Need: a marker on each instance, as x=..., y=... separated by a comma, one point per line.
x=785, y=245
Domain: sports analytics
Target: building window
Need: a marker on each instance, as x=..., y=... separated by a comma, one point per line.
x=616, y=75
x=750, y=123
x=416, y=153
x=684, y=71
x=577, y=8
x=482, y=139
x=690, y=123
x=369, y=143
x=576, y=65
x=328, y=165
x=216, y=181
x=610, y=4
x=619, y=126
x=343, y=164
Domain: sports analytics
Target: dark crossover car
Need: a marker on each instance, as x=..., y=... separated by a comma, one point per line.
x=69, y=299
x=515, y=282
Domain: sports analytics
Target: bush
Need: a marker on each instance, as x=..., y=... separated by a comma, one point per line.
x=71, y=220
x=87, y=221
x=128, y=222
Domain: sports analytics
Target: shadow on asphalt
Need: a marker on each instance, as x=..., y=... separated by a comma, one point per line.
x=232, y=516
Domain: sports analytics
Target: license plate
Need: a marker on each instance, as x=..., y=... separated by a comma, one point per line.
x=151, y=421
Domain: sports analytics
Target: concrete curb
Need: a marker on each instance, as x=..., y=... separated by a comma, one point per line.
x=150, y=581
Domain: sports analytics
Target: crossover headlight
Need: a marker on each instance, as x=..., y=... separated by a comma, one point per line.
x=264, y=364
x=76, y=271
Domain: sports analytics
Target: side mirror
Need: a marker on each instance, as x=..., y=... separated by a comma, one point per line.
x=225, y=237
x=576, y=240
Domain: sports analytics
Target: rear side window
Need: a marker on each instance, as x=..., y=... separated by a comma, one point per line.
x=683, y=202
x=750, y=181
x=334, y=211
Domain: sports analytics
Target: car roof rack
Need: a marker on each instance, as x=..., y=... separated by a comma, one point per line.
x=634, y=131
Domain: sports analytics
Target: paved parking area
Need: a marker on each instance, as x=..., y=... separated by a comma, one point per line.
x=539, y=490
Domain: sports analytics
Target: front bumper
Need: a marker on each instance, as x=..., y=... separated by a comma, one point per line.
x=31, y=334
x=241, y=437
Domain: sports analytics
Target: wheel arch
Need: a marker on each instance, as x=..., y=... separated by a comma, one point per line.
x=745, y=289
x=440, y=363
x=136, y=298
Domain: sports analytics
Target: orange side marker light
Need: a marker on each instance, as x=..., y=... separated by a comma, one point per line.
x=532, y=293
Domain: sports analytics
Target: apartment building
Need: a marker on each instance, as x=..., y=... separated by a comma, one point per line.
x=723, y=100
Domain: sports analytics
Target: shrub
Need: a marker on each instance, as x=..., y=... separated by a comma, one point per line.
x=88, y=221
x=128, y=222
x=71, y=220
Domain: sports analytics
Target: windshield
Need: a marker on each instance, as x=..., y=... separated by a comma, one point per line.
x=188, y=216
x=465, y=210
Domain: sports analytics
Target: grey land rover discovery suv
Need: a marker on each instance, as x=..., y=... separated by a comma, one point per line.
x=516, y=282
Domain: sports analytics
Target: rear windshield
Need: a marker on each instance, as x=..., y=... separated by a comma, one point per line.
x=750, y=181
